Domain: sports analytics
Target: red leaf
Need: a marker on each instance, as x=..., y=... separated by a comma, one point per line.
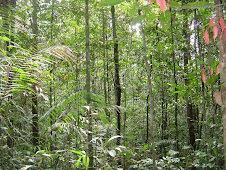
x=162, y=4
x=215, y=32
x=206, y=37
x=222, y=23
x=168, y=0
x=203, y=75
x=218, y=69
x=150, y=1
x=217, y=95
x=224, y=32
x=211, y=71
x=211, y=22
x=65, y=77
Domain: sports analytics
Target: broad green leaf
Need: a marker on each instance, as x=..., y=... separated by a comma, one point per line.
x=136, y=20
x=110, y=2
x=199, y=4
x=165, y=20
x=211, y=80
x=130, y=137
x=128, y=154
x=174, y=3
x=133, y=10
x=5, y=38
x=145, y=147
x=77, y=152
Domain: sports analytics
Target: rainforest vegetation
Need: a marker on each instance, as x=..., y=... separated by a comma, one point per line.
x=112, y=84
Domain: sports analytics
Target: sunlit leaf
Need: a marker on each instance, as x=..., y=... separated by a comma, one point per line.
x=145, y=147
x=215, y=32
x=222, y=23
x=165, y=20
x=26, y=167
x=78, y=161
x=217, y=95
x=112, y=153
x=86, y=161
x=199, y=4
x=114, y=137
x=137, y=20
x=4, y=38
x=77, y=152
x=174, y=3
x=110, y=2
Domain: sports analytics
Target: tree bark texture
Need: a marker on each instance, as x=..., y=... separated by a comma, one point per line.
x=90, y=146
x=150, y=93
x=222, y=48
x=35, y=128
x=117, y=80
x=186, y=56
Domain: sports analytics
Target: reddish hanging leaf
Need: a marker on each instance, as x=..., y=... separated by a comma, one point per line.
x=168, y=0
x=217, y=95
x=162, y=4
x=150, y=1
x=224, y=32
x=211, y=22
x=218, y=69
x=215, y=32
x=222, y=23
x=206, y=37
x=203, y=75
x=211, y=71
x=65, y=77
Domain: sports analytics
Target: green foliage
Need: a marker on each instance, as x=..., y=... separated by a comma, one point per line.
x=110, y=2
x=58, y=68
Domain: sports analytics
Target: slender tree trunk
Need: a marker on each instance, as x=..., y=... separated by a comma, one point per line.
x=150, y=94
x=51, y=89
x=90, y=147
x=117, y=81
x=104, y=58
x=35, y=128
x=175, y=81
x=147, y=119
x=222, y=48
x=189, y=109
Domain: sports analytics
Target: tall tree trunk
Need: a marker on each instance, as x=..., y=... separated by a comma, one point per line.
x=189, y=109
x=51, y=89
x=222, y=48
x=104, y=58
x=90, y=147
x=35, y=128
x=150, y=93
x=175, y=81
x=117, y=81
